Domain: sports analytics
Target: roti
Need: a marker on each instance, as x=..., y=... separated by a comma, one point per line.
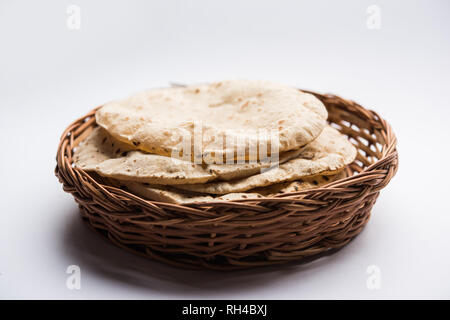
x=102, y=153
x=172, y=195
x=216, y=122
x=328, y=154
x=300, y=185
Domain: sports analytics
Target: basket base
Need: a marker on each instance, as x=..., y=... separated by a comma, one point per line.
x=328, y=244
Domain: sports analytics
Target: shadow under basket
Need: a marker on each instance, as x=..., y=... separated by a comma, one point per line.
x=248, y=232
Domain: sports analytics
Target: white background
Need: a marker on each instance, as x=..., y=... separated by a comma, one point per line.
x=50, y=76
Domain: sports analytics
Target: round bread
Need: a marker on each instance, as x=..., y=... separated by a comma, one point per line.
x=328, y=154
x=107, y=156
x=229, y=115
x=172, y=195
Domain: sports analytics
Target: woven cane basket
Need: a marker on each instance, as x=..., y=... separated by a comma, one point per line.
x=248, y=232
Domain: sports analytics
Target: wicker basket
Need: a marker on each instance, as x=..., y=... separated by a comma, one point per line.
x=244, y=233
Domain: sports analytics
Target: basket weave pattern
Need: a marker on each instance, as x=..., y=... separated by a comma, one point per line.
x=243, y=233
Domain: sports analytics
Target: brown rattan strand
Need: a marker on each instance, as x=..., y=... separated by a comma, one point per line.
x=248, y=232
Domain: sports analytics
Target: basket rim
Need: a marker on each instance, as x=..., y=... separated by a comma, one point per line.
x=389, y=153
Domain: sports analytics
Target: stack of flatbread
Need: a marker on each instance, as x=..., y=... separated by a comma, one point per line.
x=227, y=140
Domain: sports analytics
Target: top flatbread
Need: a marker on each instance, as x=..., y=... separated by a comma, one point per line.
x=102, y=153
x=329, y=153
x=230, y=114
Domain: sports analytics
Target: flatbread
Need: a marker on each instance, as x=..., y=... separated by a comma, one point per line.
x=232, y=115
x=172, y=195
x=102, y=153
x=300, y=185
x=328, y=154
